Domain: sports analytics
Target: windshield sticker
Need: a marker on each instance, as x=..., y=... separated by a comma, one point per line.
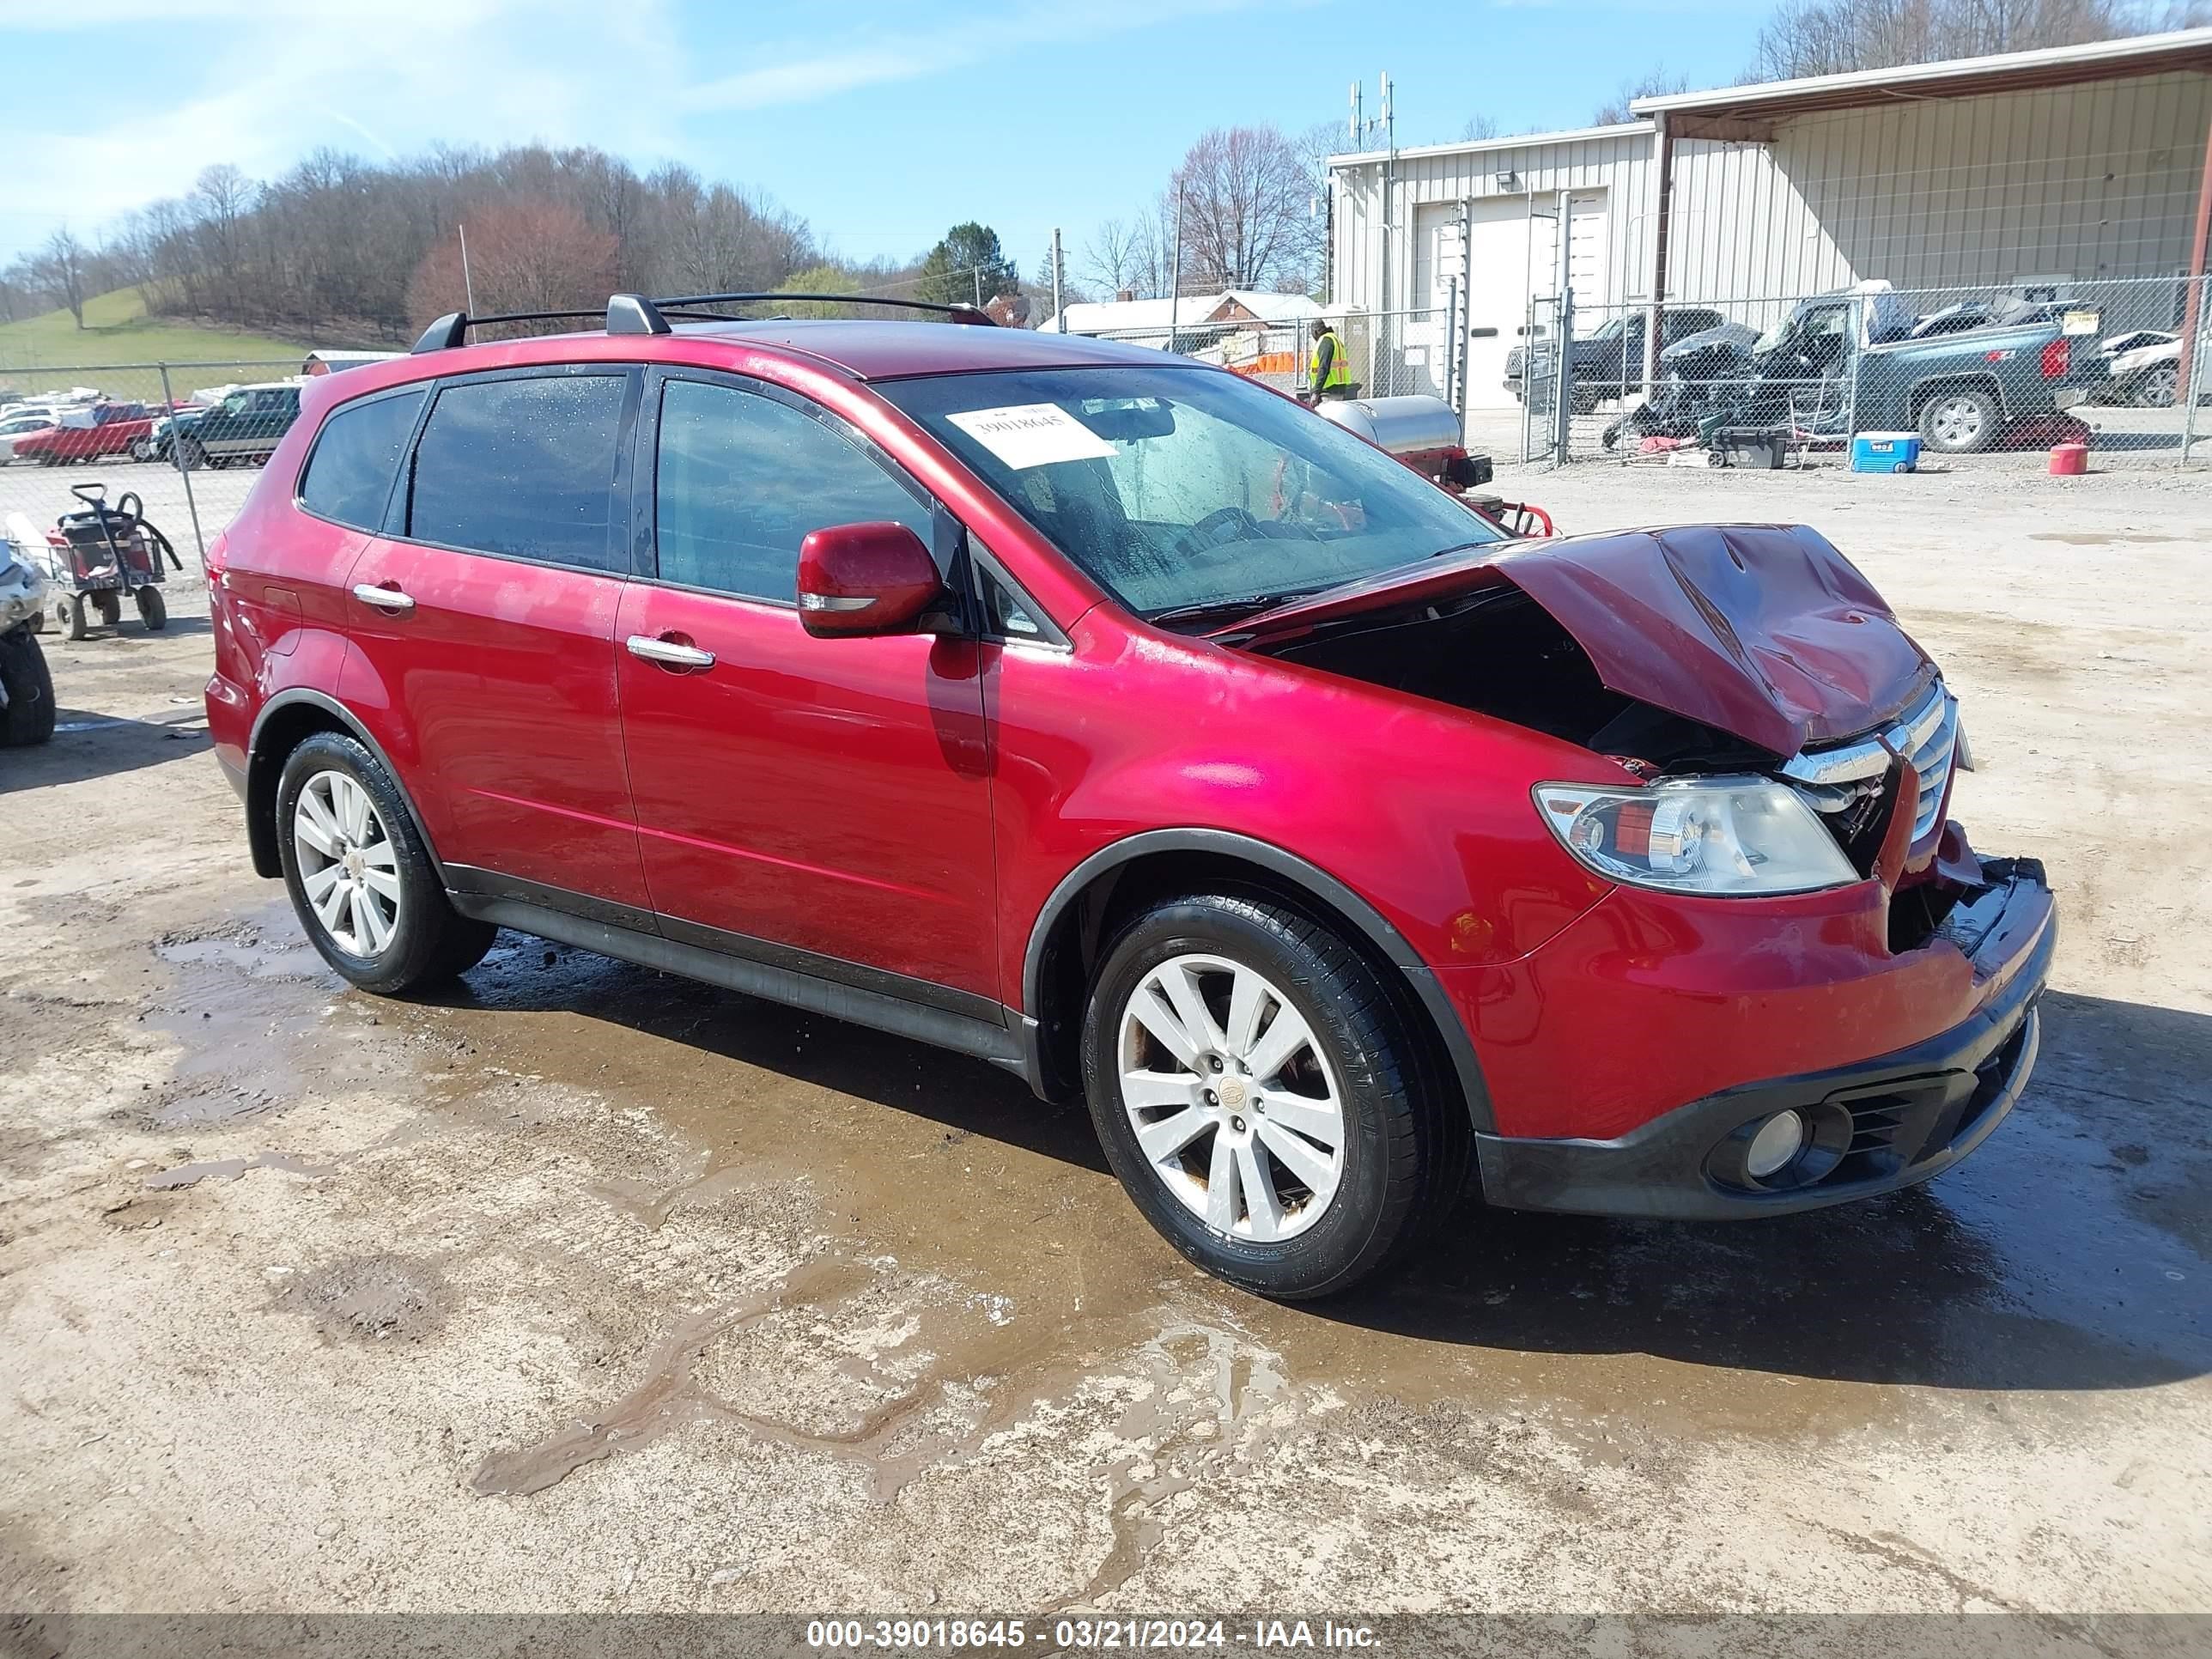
x=1032, y=434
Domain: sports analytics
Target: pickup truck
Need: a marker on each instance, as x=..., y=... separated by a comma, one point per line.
x=1860, y=361
x=85, y=434
x=1606, y=363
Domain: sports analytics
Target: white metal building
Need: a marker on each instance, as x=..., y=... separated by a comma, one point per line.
x=2069, y=166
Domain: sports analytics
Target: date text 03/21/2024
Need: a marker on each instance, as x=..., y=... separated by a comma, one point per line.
x=831, y=1635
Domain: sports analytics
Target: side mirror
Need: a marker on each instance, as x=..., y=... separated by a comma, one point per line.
x=857, y=579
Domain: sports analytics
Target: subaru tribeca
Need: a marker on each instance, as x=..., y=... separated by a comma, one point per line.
x=1110, y=718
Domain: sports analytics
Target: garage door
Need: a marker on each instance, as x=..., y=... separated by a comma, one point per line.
x=1511, y=254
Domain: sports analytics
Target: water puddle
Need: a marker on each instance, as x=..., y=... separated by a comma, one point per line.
x=230, y=1168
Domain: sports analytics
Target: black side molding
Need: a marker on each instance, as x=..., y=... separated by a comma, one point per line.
x=884, y=1013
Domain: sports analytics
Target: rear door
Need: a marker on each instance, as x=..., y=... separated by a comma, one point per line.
x=821, y=803
x=482, y=629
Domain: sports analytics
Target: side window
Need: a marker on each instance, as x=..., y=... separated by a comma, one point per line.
x=1004, y=616
x=742, y=479
x=349, y=476
x=522, y=466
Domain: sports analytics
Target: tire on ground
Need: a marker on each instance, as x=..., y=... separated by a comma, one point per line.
x=432, y=942
x=29, y=716
x=1406, y=1139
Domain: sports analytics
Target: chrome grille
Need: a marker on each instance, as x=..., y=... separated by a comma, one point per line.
x=1926, y=738
x=1930, y=738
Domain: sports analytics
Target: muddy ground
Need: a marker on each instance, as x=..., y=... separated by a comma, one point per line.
x=585, y=1288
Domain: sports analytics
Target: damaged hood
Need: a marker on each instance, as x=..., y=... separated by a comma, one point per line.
x=1762, y=631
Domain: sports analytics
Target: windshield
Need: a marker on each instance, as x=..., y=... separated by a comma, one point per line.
x=1179, y=488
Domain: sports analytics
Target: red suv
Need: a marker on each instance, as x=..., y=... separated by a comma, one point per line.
x=1110, y=717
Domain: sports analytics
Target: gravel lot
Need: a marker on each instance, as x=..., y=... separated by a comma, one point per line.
x=586, y=1289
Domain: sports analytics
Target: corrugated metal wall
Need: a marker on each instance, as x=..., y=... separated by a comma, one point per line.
x=2083, y=182
x=1618, y=163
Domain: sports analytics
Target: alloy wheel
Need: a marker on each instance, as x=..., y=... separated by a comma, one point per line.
x=1234, y=1101
x=1958, y=422
x=349, y=868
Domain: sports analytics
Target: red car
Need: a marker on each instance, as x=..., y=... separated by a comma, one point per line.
x=86, y=434
x=1112, y=717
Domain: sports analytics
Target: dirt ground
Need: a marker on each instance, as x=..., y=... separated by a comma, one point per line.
x=584, y=1288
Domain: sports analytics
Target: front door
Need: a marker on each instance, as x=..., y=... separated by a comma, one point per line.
x=821, y=803
x=482, y=627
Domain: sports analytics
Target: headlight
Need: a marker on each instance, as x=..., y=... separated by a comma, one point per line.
x=1728, y=837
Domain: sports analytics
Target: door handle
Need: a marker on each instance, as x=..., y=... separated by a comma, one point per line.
x=384, y=599
x=669, y=651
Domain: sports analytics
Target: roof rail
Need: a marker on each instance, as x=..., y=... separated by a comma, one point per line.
x=633, y=313
x=971, y=315
x=450, y=330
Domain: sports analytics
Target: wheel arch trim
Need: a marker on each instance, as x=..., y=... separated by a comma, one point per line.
x=298, y=697
x=1318, y=883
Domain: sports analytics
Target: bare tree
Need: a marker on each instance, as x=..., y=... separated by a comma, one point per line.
x=1114, y=258
x=1654, y=82
x=523, y=256
x=1830, y=37
x=58, y=270
x=1479, y=127
x=1248, y=196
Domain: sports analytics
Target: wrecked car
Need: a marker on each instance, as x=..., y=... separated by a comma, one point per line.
x=1859, y=360
x=1119, y=722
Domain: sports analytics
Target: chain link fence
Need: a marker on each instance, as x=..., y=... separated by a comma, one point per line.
x=173, y=446
x=1391, y=353
x=1967, y=371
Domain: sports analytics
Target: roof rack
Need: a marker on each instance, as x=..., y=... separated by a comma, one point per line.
x=971, y=315
x=633, y=313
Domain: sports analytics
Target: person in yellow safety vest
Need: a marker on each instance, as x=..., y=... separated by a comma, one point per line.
x=1330, y=376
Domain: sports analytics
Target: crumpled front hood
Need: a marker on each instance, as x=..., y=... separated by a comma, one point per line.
x=1762, y=631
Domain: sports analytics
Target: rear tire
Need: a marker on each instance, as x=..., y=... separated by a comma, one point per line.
x=70, y=613
x=1264, y=1201
x=1960, y=419
x=29, y=716
x=109, y=604
x=153, y=610
x=359, y=878
x=2159, y=386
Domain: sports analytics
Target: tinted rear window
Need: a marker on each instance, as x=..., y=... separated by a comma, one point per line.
x=349, y=476
x=523, y=466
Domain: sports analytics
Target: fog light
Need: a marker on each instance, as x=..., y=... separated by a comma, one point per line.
x=1777, y=1143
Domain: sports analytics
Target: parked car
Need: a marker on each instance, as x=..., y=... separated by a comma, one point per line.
x=86, y=434
x=1858, y=360
x=1605, y=364
x=1114, y=719
x=246, y=426
x=20, y=423
x=337, y=363
x=2146, y=368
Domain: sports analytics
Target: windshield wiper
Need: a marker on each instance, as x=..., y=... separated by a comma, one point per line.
x=1464, y=547
x=1241, y=603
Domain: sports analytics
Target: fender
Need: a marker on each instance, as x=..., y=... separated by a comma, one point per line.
x=1319, y=885
x=356, y=730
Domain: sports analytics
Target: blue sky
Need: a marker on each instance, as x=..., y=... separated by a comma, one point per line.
x=881, y=124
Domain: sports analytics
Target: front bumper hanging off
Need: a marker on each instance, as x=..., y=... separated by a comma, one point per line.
x=1892, y=1121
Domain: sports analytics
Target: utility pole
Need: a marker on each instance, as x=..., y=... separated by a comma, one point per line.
x=1055, y=274
x=1174, y=280
x=468, y=289
x=976, y=271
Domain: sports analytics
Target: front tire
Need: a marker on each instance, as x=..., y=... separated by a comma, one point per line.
x=29, y=716
x=1960, y=419
x=359, y=878
x=192, y=453
x=153, y=610
x=1261, y=1097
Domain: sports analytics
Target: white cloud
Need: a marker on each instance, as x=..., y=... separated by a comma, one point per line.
x=800, y=74
x=290, y=76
